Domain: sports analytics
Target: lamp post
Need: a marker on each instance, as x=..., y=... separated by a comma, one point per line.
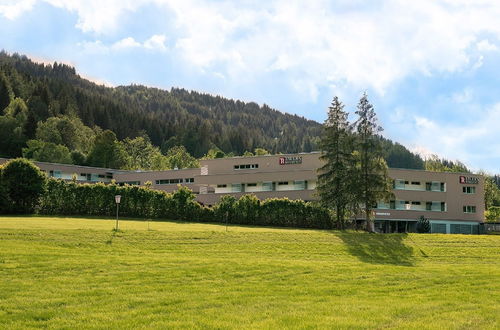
x=117, y=200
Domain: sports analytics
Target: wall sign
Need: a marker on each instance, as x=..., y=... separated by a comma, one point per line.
x=469, y=180
x=290, y=160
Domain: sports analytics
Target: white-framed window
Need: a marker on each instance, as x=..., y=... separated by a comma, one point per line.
x=246, y=166
x=469, y=190
x=469, y=209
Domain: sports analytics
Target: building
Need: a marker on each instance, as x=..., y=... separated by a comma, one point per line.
x=453, y=202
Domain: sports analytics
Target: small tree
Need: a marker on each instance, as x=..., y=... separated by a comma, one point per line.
x=423, y=225
x=24, y=184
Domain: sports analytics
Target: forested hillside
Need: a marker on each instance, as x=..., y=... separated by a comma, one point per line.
x=41, y=105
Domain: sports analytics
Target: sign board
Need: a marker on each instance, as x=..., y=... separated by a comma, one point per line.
x=382, y=213
x=290, y=160
x=469, y=179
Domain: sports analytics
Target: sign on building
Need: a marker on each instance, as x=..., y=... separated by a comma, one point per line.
x=469, y=179
x=290, y=160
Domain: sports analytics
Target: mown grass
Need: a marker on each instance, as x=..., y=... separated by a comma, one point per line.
x=78, y=273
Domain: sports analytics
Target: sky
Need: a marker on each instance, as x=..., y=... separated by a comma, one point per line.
x=430, y=68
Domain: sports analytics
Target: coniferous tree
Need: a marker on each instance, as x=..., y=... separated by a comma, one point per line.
x=371, y=177
x=335, y=186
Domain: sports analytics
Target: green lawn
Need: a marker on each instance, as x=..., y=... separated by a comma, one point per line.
x=77, y=273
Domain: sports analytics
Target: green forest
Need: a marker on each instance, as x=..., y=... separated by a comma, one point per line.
x=49, y=113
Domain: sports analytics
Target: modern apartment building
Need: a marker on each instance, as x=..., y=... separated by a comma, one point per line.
x=453, y=202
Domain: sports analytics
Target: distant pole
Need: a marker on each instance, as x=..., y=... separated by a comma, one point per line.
x=227, y=216
x=117, y=200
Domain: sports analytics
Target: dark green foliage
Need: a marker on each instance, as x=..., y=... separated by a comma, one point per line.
x=70, y=198
x=47, y=152
x=247, y=209
x=224, y=211
x=4, y=203
x=279, y=212
x=107, y=151
x=371, y=178
x=397, y=156
x=197, y=121
x=436, y=164
x=423, y=225
x=78, y=158
x=12, y=138
x=5, y=92
x=23, y=185
x=178, y=157
x=335, y=184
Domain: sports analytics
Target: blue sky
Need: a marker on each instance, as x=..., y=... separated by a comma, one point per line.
x=431, y=68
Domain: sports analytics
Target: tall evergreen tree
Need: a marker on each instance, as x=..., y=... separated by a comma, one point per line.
x=371, y=177
x=334, y=180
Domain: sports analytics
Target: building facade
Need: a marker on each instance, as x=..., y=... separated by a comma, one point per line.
x=453, y=202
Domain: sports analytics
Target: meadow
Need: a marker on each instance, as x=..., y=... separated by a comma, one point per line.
x=71, y=273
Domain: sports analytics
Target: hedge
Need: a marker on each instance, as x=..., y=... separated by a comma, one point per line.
x=61, y=197
x=70, y=198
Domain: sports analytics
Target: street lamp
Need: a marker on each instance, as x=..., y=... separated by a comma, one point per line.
x=117, y=200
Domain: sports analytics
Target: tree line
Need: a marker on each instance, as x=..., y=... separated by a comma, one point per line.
x=48, y=108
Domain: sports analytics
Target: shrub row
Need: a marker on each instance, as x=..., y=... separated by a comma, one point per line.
x=70, y=198
x=58, y=197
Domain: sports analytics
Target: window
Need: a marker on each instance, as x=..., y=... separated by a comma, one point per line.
x=189, y=180
x=267, y=186
x=416, y=183
x=469, y=209
x=406, y=182
x=221, y=185
x=392, y=205
x=469, y=190
x=168, y=181
x=435, y=206
x=300, y=184
x=131, y=183
x=246, y=166
x=101, y=176
x=237, y=187
x=435, y=186
x=251, y=185
x=283, y=183
x=415, y=203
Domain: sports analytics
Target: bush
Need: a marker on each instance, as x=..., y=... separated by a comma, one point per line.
x=423, y=225
x=224, y=210
x=23, y=184
x=493, y=214
x=246, y=210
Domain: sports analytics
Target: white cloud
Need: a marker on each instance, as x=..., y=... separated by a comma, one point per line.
x=156, y=42
x=126, y=43
x=317, y=44
x=486, y=46
x=468, y=140
x=12, y=9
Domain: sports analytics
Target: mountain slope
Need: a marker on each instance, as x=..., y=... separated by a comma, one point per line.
x=176, y=117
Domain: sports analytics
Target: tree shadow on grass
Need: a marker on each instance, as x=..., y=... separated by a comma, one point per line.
x=379, y=248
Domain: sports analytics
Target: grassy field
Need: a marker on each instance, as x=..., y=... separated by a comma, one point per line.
x=78, y=273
